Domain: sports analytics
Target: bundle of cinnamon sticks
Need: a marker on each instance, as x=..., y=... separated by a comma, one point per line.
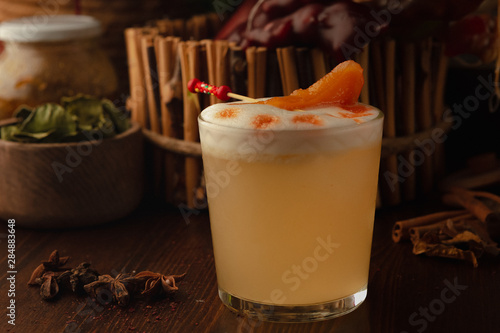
x=160, y=64
x=164, y=56
x=404, y=80
x=408, y=80
x=465, y=233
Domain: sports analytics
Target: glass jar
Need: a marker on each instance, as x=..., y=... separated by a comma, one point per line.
x=43, y=58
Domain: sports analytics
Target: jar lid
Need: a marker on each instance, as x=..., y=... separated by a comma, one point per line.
x=46, y=28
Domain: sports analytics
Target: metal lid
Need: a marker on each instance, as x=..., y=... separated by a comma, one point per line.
x=49, y=28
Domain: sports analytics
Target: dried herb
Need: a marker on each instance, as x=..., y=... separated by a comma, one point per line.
x=78, y=277
x=463, y=234
x=77, y=118
x=54, y=264
x=464, y=245
x=156, y=283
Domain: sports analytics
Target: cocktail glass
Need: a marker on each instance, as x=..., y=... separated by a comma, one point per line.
x=292, y=213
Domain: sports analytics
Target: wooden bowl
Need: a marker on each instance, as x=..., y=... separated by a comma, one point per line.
x=74, y=184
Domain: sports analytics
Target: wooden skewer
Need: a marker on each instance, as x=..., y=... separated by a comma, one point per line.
x=222, y=92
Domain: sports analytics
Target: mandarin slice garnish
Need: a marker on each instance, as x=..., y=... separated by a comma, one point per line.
x=341, y=87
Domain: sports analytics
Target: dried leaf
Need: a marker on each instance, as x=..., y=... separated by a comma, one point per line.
x=463, y=237
x=441, y=250
x=78, y=118
x=46, y=123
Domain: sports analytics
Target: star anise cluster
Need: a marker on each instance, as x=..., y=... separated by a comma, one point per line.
x=52, y=277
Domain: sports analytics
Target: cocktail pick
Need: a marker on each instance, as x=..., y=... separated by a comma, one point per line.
x=223, y=92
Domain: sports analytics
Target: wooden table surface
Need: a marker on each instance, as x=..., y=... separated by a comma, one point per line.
x=406, y=293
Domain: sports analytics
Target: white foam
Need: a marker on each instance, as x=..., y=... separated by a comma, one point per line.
x=229, y=130
x=244, y=115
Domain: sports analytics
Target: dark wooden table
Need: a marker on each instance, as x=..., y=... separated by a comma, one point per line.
x=406, y=293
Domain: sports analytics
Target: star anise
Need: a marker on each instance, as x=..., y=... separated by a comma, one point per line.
x=120, y=287
x=156, y=283
x=54, y=264
x=48, y=285
x=76, y=278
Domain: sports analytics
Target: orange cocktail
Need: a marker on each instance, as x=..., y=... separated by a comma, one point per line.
x=292, y=199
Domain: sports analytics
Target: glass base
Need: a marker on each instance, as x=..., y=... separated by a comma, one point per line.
x=293, y=313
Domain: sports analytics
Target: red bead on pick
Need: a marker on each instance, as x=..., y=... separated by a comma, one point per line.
x=197, y=86
x=223, y=92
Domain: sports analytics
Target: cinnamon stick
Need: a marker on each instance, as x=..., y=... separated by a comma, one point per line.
x=401, y=229
x=364, y=61
x=203, y=74
x=211, y=64
x=260, y=68
x=288, y=69
x=188, y=52
x=483, y=194
x=166, y=62
x=305, y=70
x=439, y=84
x=149, y=63
x=221, y=63
x=250, y=54
x=164, y=27
x=378, y=65
x=165, y=53
x=136, y=75
x=319, y=65
x=408, y=112
x=425, y=110
x=467, y=201
x=238, y=70
x=274, y=86
x=418, y=231
x=179, y=28
x=153, y=104
x=389, y=166
x=376, y=96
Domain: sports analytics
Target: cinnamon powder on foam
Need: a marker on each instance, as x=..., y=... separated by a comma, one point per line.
x=262, y=121
x=308, y=118
x=228, y=113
